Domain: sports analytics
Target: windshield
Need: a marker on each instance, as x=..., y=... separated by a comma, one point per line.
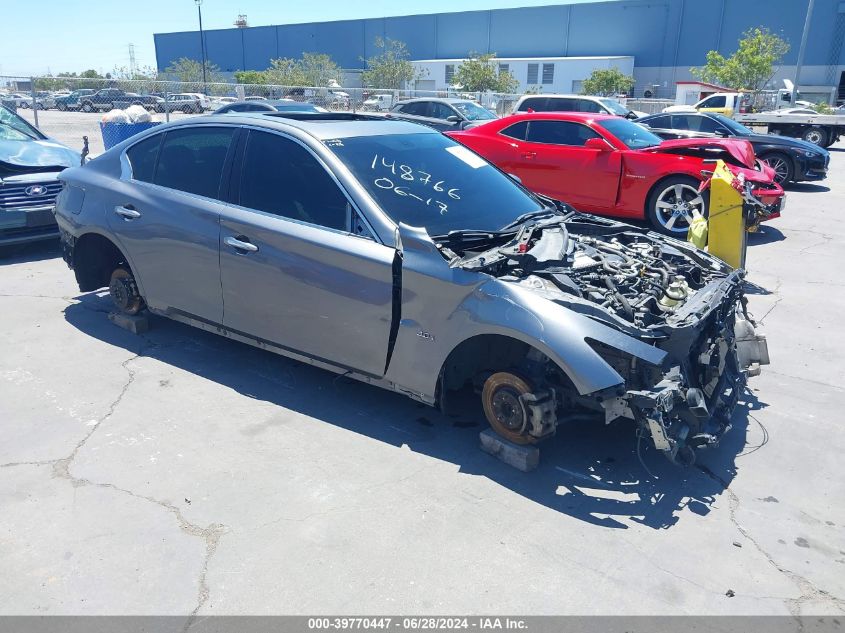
x=473, y=111
x=634, y=135
x=732, y=125
x=14, y=128
x=614, y=106
x=431, y=181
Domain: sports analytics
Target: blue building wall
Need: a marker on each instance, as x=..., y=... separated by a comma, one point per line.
x=658, y=33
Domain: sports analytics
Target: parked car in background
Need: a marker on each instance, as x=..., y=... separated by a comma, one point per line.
x=184, y=102
x=612, y=166
x=29, y=164
x=574, y=103
x=255, y=98
x=19, y=99
x=204, y=100
x=378, y=103
x=218, y=102
x=442, y=114
x=793, y=160
x=388, y=253
x=279, y=105
x=109, y=98
x=71, y=101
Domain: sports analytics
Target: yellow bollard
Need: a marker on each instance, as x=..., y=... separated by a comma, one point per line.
x=724, y=231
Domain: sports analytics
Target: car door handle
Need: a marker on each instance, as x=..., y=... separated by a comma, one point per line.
x=528, y=154
x=127, y=212
x=240, y=244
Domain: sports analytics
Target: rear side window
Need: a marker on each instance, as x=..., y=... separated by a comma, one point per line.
x=559, y=133
x=281, y=177
x=695, y=123
x=418, y=108
x=517, y=130
x=659, y=122
x=537, y=104
x=142, y=158
x=192, y=159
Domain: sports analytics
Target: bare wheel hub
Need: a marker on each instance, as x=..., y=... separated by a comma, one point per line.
x=504, y=407
x=124, y=292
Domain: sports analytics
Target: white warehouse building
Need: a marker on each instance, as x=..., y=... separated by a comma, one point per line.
x=538, y=74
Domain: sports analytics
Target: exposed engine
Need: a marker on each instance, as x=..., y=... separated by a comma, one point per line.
x=641, y=280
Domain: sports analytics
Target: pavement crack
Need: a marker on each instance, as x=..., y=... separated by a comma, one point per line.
x=210, y=534
x=809, y=591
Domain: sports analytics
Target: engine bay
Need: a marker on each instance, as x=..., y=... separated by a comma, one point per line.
x=640, y=278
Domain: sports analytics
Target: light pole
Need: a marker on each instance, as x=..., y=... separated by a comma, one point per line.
x=202, y=46
x=801, y=49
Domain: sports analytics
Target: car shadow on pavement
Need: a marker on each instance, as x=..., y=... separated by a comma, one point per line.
x=588, y=471
x=807, y=187
x=34, y=252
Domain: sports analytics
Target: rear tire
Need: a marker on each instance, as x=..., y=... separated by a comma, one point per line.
x=782, y=165
x=87, y=107
x=816, y=135
x=674, y=203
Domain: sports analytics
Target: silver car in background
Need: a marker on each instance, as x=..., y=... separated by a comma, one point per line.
x=385, y=251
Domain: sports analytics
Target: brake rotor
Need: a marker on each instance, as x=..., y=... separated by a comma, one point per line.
x=505, y=412
x=124, y=292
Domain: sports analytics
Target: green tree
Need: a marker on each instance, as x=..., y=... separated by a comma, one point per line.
x=251, y=77
x=284, y=71
x=751, y=66
x=391, y=68
x=90, y=74
x=190, y=70
x=319, y=69
x=480, y=73
x=607, y=82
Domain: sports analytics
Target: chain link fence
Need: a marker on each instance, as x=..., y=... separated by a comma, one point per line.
x=70, y=108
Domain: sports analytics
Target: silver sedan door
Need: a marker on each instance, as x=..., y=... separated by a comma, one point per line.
x=299, y=267
x=165, y=214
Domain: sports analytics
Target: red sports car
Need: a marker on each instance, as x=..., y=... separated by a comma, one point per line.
x=611, y=166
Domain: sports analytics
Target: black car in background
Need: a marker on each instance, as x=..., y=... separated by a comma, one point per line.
x=71, y=101
x=29, y=165
x=442, y=114
x=792, y=159
x=267, y=105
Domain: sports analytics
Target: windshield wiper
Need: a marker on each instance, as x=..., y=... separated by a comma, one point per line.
x=540, y=213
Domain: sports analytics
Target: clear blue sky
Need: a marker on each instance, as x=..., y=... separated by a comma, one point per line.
x=72, y=35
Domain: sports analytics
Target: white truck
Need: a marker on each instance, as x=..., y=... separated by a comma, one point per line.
x=822, y=129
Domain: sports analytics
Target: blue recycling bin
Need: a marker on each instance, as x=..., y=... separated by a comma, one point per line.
x=114, y=133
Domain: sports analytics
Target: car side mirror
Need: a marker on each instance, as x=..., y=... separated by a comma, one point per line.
x=722, y=133
x=453, y=119
x=631, y=115
x=597, y=143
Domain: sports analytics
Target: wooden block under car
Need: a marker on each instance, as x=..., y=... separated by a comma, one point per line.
x=522, y=457
x=137, y=324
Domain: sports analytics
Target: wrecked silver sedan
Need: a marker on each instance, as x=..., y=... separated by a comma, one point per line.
x=387, y=252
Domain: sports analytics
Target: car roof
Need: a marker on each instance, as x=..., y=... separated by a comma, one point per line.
x=582, y=117
x=320, y=125
x=566, y=96
x=440, y=99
